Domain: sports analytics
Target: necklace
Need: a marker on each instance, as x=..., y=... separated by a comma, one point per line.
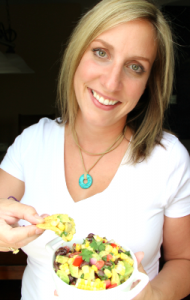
x=86, y=176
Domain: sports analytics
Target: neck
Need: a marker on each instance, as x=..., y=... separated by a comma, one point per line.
x=97, y=138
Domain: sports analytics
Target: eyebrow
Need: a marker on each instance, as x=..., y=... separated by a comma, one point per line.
x=111, y=47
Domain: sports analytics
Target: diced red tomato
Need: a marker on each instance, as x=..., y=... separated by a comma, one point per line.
x=108, y=283
x=77, y=261
x=67, y=248
x=113, y=245
x=112, y=286
x=99, y=264
x=73, y=254
x=109, y=257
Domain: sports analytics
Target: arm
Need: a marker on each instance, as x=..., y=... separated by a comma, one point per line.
x=172, y=283
x=173, y=280
x=11, y=211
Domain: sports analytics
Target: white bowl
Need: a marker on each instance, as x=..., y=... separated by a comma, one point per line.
x=120, y=292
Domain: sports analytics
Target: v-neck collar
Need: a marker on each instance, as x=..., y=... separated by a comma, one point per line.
x=61, y=164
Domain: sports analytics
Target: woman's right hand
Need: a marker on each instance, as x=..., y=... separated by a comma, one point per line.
x=11, y=235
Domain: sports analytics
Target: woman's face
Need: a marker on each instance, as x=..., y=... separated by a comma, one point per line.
x=113, y=72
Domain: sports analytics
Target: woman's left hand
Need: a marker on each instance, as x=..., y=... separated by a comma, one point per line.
x=148, y=293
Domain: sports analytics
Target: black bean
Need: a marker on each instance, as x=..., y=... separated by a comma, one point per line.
x=71, y=278
x=108, y=263
x=120, y=251
x=101, y=273
x=56, y=266
x=90, y=235
x=90, y=240
x=61, y=251
x=84, y=263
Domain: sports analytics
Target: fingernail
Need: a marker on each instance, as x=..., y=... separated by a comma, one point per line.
x=39, y=231
x=39, y=219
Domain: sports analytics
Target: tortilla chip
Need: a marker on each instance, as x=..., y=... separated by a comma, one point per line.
x=55, y=221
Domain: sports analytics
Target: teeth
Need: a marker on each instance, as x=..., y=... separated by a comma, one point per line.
x=102, y=100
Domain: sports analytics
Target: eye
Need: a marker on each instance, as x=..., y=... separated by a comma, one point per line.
x=136, y=68
x=99, y=52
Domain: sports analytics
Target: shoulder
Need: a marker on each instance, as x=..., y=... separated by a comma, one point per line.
x=41, y=131
x=173, y=147
x=37, y=137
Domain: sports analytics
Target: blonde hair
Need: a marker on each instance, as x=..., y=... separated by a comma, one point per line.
x=146, y=119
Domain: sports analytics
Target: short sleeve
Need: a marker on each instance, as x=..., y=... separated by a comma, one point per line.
x=178, y=183
x=13, y=162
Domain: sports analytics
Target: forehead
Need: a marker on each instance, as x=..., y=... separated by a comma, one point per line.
x=136, y=38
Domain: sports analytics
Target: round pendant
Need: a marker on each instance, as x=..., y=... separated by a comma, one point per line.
x=85, y=185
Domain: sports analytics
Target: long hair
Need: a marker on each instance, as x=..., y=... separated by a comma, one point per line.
x=146, y=119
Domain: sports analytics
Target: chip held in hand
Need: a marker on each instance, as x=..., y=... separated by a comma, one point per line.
x=61, y=224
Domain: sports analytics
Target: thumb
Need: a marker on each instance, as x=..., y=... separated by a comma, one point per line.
x=18, y=236
x=139, y=256
x=11, y=210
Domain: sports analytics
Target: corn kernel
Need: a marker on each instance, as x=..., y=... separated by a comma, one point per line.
x=114, y=251
x=87, y=244
x=77, y=247
x=69, y=237
x=108, y=273
x=98, y=238
x=127, y=258
x=71, y=260
x=109, y=248
x=86, y=275
x=61, y=226
x=54, y=222
x=94, y=268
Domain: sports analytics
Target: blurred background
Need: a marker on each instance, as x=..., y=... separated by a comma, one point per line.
x=33, y=36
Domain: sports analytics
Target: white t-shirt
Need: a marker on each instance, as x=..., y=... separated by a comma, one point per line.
x=130, y=210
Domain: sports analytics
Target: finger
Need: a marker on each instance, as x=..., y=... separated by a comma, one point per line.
x=139, y=256
x=44, y=216
x=12, y=209
x=19, y=236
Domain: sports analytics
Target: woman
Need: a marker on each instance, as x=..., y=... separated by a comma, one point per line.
x=114, y=86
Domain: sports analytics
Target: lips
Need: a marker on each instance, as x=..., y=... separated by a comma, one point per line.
x=100, y=105
x=103, y=100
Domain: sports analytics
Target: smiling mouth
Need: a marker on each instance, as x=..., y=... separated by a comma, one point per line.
x=102, y=100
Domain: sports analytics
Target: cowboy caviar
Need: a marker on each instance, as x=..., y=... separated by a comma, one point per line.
x=61, y=224
x=96, y=264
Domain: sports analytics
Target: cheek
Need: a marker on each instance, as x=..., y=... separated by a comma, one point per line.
x=86, y=71
x=135, y=89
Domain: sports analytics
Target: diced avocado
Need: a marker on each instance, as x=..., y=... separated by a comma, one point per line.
x=128, y=269
x=63, y=218
x=62, y=259
x=103, y=253
x=74, y=271
x=123, y=278
x=92, y=275
x=86, y=269
x=96, y=256
x=80, y=273
x=68, y=227
x=115, y=277
x=63, y=276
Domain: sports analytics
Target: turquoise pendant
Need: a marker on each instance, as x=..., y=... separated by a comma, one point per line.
x=85, y=185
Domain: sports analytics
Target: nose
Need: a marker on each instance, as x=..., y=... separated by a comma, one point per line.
x=111, y=78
